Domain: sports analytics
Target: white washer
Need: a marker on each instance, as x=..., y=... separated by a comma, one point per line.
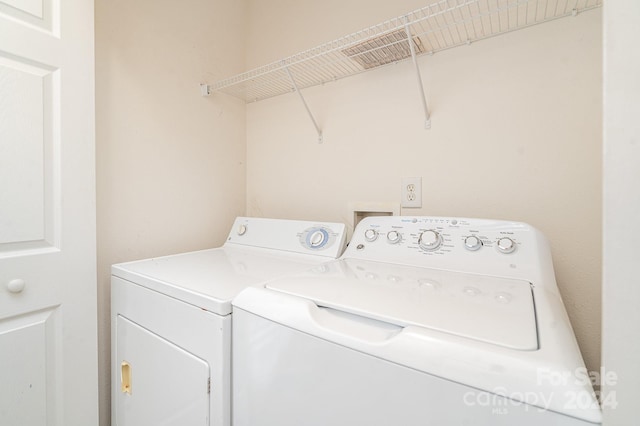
x=171, y=319
x=422, y=321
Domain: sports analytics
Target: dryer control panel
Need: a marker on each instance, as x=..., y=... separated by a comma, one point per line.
x=512, y=249
x=297, y=236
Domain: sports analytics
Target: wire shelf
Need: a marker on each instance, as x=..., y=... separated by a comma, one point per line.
x=436, y=27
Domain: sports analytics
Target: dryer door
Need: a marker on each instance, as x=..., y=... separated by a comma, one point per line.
x=160, y=383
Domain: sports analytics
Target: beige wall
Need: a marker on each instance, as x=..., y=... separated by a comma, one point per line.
x=516, y=134
x=171, y=164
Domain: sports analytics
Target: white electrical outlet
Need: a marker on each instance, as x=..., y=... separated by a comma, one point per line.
x=411, y=192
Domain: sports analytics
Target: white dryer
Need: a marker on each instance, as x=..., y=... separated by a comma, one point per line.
x=423, y=321
x=171, y=319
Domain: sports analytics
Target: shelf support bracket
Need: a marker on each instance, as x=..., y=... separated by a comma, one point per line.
x=427, y=115
x=295, y=87
x=205, y=89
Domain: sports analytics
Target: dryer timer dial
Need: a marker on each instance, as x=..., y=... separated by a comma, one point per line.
x=316, y=238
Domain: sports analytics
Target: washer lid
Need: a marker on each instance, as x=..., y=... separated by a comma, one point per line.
x=491, y=309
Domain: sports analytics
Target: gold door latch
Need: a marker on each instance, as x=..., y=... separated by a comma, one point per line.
x=125, y=377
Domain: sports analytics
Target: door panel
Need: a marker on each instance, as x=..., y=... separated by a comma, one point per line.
x=38, y=13
x=31, y=385
x=48, y=330
x=26, y=155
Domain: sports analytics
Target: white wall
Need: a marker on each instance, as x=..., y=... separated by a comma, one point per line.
x=621, y=285
x=516, y=134
x=171, y=164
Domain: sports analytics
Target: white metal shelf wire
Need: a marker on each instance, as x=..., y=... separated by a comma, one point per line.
x=438, y=26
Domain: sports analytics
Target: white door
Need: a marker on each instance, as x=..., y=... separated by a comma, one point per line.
x=48, y=354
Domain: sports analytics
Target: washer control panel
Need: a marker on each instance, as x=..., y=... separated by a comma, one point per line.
x=462, y=244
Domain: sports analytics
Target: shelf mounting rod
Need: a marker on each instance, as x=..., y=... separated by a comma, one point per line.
x=427, y=116
x=295, y=87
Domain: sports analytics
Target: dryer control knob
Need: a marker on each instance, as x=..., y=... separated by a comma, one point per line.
x=317, y=239
x=430, y=240
x=394, y=237
x=472, y=243
x=506, y=245
x=370, y=235
x=242, y=229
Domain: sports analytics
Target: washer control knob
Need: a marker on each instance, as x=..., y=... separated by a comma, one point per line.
x=506, y=245
x=242, y=229
x=472, y=243
x=430, y=240
x=394, y=237
x=370, y=235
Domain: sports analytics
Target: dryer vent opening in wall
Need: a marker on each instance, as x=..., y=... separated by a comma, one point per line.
x=390, y=47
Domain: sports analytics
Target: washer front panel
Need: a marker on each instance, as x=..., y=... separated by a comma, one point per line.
x=291, y=378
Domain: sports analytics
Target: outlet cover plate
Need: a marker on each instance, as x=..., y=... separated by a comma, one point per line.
x=411, y=192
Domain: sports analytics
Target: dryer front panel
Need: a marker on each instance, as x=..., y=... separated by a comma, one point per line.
x=159, y=382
